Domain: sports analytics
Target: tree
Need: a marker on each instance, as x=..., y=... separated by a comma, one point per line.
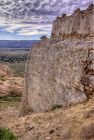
x=43, y=37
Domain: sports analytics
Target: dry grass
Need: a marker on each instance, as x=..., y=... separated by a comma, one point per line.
x=18, y=69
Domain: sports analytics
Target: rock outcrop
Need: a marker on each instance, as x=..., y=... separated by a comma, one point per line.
x=8, y=83
x=60, y=72
x=5, y=71
x=78, y=25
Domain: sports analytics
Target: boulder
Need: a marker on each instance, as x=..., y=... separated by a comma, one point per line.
x=55, y=75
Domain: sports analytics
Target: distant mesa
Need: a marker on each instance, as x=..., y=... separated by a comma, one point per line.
x=17, y=44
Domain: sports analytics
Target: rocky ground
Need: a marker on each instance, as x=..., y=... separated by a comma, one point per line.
x=73, y=123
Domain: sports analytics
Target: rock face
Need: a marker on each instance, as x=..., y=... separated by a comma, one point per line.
x=79, y=25
x=60, y=72
x=56, y=74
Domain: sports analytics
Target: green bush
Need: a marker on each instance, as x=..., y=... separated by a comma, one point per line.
x=5, y=134
x=10, y=98
x=54, y=107
x=14, y=93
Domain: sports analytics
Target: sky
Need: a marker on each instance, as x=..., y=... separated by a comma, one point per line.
x=30, y=19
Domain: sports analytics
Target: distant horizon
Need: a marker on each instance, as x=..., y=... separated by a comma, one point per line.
x=17, y=44
x=18, y=40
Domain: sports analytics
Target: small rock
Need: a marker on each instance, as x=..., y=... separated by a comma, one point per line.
x=51, y=131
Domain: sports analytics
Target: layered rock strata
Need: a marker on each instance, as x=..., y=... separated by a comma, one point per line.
x=78, y=25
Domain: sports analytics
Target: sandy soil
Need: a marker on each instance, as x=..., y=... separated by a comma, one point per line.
x=73, y=123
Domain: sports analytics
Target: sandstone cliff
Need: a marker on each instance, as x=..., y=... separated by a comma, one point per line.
x=78, y=25
x=60, y=72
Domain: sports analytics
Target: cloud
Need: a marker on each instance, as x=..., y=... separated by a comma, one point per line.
x=28, y=29
x=38, y=10
x=34, y=17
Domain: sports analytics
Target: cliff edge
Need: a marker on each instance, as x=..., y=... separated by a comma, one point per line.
x=60, y=71
x=78, y=25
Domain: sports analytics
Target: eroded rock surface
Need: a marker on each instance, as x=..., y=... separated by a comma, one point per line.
x=78, y=25
x=56, y=74
x=60, y=71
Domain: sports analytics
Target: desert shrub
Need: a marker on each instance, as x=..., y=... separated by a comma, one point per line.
x=54, y=107
x=14, y=93
x=44, y=37
x=5, y=98
x=5, y=134
x=10, y=98
x=2, y=77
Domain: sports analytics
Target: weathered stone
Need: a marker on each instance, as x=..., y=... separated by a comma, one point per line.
x=89, y=113
x=54, y=73
x=88, y=79
x=78, y=25
x=87, y=132
x=60, y=72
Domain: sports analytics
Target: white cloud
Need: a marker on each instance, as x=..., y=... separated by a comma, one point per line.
x=34, y=17
x=28, y=32
x=28, y=29
x=36, y=30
